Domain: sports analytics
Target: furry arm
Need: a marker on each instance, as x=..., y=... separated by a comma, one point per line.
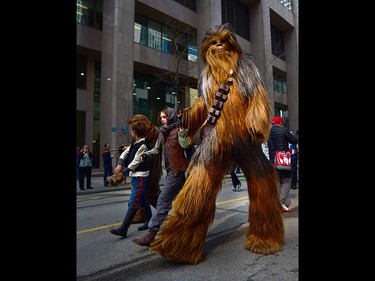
x=258, y=115
x=193, y=117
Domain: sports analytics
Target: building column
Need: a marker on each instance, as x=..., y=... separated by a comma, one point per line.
x=116, y=106
x=209, y=15
x=291, y=39
x=89, y=128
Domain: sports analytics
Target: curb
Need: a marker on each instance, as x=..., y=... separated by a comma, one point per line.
x=99, y=188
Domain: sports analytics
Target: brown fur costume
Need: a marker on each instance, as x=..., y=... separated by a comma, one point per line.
x=152, y=188
x=243, y=124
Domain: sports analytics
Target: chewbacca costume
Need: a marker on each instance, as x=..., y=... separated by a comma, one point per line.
x=233, y=115
x=152, y=188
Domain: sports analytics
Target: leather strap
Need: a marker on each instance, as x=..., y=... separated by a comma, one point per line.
x=218, y=104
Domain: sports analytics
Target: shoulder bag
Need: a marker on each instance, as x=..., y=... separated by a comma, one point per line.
x=283, y=160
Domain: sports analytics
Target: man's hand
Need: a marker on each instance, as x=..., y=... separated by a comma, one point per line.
x=143, y=157
x=118, y=169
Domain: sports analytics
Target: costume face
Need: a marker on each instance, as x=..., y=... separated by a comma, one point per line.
x=220, y=49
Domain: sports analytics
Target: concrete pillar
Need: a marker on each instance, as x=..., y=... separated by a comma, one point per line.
x=209, y=15
x=89, y=128
x=117, y=71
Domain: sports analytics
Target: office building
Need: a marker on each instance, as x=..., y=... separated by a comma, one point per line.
x=136, y=56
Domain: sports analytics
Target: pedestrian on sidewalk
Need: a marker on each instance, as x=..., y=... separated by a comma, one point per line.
x=107, y=163
x=130, y=163
x=235, y=181
x=78, y=151
x=172, y=141
x=279, y=139
x=86, y=162
x=294, y=161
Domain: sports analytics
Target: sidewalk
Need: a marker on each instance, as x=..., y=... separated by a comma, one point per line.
x=98, y=186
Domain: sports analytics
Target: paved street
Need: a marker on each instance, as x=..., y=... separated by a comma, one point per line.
x=103, y=257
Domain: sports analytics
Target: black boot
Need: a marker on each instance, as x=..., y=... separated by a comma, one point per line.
x=147, y=213
x=123, y=229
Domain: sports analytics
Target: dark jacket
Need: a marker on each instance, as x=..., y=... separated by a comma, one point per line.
x=143, y=166
x=107, y=159
x=279, y=139
x=175, y=154
x=172, y=142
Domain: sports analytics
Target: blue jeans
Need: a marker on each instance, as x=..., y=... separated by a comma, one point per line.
x=138, y=197
x=108, y=171
x=294, y=169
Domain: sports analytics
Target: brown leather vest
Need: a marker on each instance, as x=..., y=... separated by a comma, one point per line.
x=175, y=153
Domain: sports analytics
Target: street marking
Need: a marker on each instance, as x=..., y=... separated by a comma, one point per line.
x=98, y=228
x=232, y=200
x=116, y=224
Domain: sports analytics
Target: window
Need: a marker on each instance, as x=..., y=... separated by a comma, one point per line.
x=279, y=82
x=166, y=39
x=192, y=53
x=277, y=38
x=286, y=3
x=81, y=72
x=237, y=14
x=188, y=3
x=167, y=42
x=90, y=13
x=97, y=83
x=282, y=111
x=150, y=95
x=154, y=35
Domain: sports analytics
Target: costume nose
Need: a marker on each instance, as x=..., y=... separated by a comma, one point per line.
x=218, y=44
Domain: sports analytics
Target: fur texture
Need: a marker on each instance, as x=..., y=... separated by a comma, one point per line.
x=116, y=179
x=242, y=126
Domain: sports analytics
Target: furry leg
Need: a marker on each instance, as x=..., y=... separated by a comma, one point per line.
x=183, y=236
x=266, y=228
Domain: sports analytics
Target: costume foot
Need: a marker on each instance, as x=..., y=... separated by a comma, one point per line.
x=260, y=246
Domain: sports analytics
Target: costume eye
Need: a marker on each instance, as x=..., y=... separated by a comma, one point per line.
x=213, y=42
x=225, y=39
